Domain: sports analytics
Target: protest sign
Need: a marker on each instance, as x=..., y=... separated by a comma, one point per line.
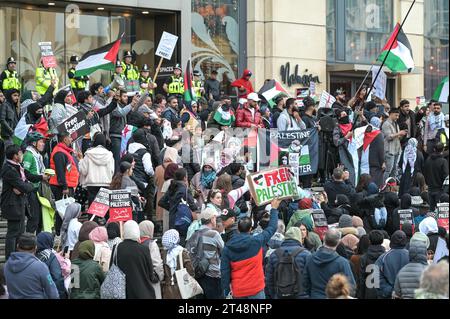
x=406, y=215
x=48, y=58
x=379, y=87
x=326, y=100
x=100, y=205
x=166, y=45
x=76, y=126
x=120, y=206
x=312, y=88
x=320, y=222
x=442, y=216
x=272, y=183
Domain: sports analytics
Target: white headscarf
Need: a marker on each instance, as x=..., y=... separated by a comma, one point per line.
x=131, y=231
x=428, y=225
x=410, y=154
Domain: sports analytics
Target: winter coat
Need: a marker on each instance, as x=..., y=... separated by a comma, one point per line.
x=60, y=113
x=242, y=261
x=28, y=278
x=367, y=208
x=118, y=120
x=435, y=172
x=320, y=267
x=390, y=264
x=158, y=265
x=97, y=167
x=289, y=246
x=369, y=258
x=334, y=188
x=408, y=279
x=91, y=279
x=9, y=117
x=391, y=144
x=143, y=168
x=49, y=258
x=245, y=119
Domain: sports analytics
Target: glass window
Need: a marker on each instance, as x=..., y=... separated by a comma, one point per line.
x=331, y=30
x=9, y=36
x=215, y=39
x=436, y=27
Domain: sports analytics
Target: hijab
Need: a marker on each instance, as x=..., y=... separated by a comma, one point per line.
x=86, y=250
x=99, y=235
x=72, y=211
x=170, y=241
x=131, y=231
x=146, y=229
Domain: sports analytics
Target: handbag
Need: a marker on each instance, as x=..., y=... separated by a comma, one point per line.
x=189, y=287
x=62, y=204
x=114, y=285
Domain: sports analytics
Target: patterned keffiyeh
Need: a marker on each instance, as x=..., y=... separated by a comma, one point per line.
x=410, y=155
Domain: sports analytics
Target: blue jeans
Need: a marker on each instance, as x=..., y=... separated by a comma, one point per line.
x=259, y=295
x=391, y=165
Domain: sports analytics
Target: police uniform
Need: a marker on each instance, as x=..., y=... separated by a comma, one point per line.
x=130, y=71
x=175, y=85
x=43, y=79
x=197, y=85
x=147, y=81
x=10, y=79
x=121, y=75
x=77, y=83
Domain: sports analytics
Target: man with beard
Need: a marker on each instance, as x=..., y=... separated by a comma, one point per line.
x=392, y=148
x=281, y=104
x=408, y=118
x=287, y=121
x=435, y=122
x=9, y=115
x=340, y=99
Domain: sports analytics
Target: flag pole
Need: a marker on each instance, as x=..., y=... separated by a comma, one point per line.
x=389, y=51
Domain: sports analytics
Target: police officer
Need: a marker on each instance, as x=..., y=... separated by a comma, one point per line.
x=118, y=71
x=174, y=85
x=129, y=69
x=197, y=84
x=146, y=82
x=9, y=79
x=44, y=78
x=77, y=83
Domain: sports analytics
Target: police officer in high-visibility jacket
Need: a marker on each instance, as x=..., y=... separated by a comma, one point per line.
x=197, y=84
x=44, y=78
x=77, y=83
x=9, y=79
x=146, y=82
x=118, y=71
x=129, y=69
x=174, y=85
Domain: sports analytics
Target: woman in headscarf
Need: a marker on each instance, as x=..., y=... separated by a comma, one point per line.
x=189, y=117
x=71, y=226
x=429, y=227
x=136, y=263
x=113, y=230
x=102, y=255
x=47, y=255
x=411, y=163
x=226, y=158
x=169, y=254
x=83, y=235
x=202, y=182
x=91, y=276
x=146, y=229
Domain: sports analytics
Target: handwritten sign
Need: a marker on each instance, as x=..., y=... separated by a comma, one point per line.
x=76, y=126
x=100, y=205
x=269, y=184
x=120, y=206
x=48, y=58
x=166, y=45
x=442, y=216
x=326, y=100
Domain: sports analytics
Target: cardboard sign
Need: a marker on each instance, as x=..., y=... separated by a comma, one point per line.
x=48, y=58
x=166, y=45
x=320, y=222
x=312, y=88
x=442, y=216
x=379, y=87
x=100, y=205
x=271, y=183
x=120, y=206
x=76, y=125
x=406, y=215
x=326, y=100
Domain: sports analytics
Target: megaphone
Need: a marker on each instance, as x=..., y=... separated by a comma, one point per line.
x=117, y=83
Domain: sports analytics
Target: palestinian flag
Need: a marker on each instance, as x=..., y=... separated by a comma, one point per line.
x=189, y=94
x=441, y=93
x=400, y=57
x=103, y=58
x=21, y=131
x=271, y=90
x=305, y=159
x=224, y=118
x=126, y=135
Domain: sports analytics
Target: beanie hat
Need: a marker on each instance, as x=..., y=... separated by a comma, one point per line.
x=345, y=221
x=398, y=240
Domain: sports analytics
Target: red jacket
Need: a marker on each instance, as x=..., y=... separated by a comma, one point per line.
x=244, y=83
x=244, y=117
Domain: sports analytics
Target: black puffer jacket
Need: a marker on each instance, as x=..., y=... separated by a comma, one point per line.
x=408, y=279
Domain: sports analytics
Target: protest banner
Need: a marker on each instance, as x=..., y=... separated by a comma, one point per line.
x=120, y=206
x=379, y=86
x=406, y=215
x=326, y=100
x=165, y=49
x=48, y=58
x=320, y=222
x=76, y=126
x=100, y=205
x=442, y=216
x=272, y=183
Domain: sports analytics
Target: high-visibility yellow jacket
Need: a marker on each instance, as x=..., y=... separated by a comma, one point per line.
x=10, y=80
x=43, y=79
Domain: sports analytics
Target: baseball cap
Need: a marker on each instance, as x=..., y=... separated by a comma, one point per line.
x=253, y=96
x=228, y=213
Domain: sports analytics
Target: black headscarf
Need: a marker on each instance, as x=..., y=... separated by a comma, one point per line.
x=113, y=230
x=61, y=96
x=405, y=202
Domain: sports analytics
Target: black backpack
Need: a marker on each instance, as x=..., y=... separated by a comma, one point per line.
x=195, y=248
x=286, y=274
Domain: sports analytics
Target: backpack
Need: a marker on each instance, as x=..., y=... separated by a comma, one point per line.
x=286, y=274
x=379, y=218
x=194, y=246
x=183, y=217
x=114, y=285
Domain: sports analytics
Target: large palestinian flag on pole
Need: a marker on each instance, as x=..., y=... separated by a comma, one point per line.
x=271, y=90
x=400, y=57
x=103, y=58
x=189, y=94
x=441, y=93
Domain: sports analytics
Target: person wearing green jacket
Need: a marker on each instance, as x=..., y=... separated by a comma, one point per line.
x=90, y=274
x=34, y=164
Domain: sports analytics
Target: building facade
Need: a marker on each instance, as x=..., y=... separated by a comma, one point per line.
x=331, y=43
